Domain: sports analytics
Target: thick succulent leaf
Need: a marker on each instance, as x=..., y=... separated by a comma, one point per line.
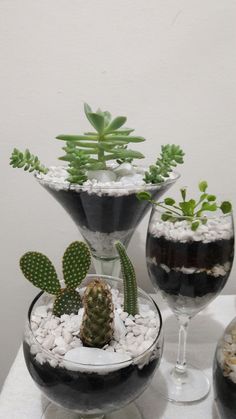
x=128, y=154
x=75, y=263
x=75, y=138
x=116, y=123
x=39, y=270
x=97, y=121
x=126, y=138
x=67, y=302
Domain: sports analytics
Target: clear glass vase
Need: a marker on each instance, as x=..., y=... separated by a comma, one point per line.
x=189, y=268
x=224, y=373
x=89, y=390
x=105, y=214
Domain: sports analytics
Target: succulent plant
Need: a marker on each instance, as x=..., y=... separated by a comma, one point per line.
x=91, y=150
x=129, y=278
x=39, y=270
x=97, y=323
x=193, y=210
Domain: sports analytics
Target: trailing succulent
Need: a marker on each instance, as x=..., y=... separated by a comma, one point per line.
x=109, y=140
x=191, y=210
x=39, y=270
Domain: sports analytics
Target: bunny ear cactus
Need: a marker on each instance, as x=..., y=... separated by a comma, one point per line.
x=130, y=284
x=97, y=324
x=39, y=270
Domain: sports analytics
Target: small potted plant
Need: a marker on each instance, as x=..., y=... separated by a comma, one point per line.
x=98, y=183
x=189, y=250
x=92, y=348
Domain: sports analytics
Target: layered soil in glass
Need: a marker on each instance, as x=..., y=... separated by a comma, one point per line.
x=191, y=272
x=90, y=391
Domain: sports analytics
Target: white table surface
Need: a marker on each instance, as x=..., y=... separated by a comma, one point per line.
x=21, y=399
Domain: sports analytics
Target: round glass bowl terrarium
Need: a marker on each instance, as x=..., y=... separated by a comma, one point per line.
x=190, y=268
x=103, y=212
x=224, y=373
x=91, y=389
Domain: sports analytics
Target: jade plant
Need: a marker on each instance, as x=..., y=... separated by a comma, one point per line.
x=129, y=279
x=109, y=140
x=192, y=210
x=97, y=323
x=39, y=270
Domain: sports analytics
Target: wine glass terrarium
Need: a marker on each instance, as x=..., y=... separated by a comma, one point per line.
x=189, y=250
x=91, y=350
x=98, y=186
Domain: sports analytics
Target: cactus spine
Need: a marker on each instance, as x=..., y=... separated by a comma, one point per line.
x=39, y=270
x=97, y=324
x=130, y=284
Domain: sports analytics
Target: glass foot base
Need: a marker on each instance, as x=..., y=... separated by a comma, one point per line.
x=55, y=412
x=194, y=387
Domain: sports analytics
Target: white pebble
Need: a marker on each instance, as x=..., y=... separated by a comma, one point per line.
x=53, y=363
x=34, y=349
x=67, y=336
x=123, y=315
x=40, y=358
x=48, y=342
x=59, y=341
x=129, y=322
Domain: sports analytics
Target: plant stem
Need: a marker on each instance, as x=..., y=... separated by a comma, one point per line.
x=180, y=369
x=167, y=209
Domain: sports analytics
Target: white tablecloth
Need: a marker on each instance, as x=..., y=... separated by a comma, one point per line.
x=21, y=399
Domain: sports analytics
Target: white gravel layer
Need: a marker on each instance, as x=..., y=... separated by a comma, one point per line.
x=55, y=336
x=218, y=228
x=215, y=271
x=226, y=354
x=103, y=243
x=129, y=179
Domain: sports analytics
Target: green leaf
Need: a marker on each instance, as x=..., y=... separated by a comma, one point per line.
x=208, y=207
x=195, y=225
x=125, y=138
x=211, y=198
x=116, y=124
x=203, y=186
x=144, y=196
x=97, y=121
x=226, y=207
x=75, y=138
x=166, y=216
x=169, y=201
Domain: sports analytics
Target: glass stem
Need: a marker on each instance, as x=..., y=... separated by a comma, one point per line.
x=180, y=370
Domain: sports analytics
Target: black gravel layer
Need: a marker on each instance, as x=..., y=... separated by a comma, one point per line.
x=225, y=393
x=190, y=254
x=89, y=391
x=189, y=285
x=104, y=213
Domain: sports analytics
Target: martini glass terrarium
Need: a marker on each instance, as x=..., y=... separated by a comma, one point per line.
x=189, y=249
x=98, y=186
x=91, y=349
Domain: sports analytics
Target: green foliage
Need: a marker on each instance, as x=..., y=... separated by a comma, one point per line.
x=170, y=156
x=191, y=210
x=130, y=284
x=27, y=161
x=97, y=324
x=39, y=270
x=108, y=142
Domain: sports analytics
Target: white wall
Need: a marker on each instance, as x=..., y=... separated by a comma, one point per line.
x=169, y=65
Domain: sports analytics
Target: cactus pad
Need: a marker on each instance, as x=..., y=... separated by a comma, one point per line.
x=97, y=324
x=67, y=302
x=76, y=262
x=130, y=284
x=39, y=270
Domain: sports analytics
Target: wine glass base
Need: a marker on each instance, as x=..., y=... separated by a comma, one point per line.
x=193, y=388
x=131, y=411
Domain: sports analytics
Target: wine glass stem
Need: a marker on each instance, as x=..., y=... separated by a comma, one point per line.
x=180, y=369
